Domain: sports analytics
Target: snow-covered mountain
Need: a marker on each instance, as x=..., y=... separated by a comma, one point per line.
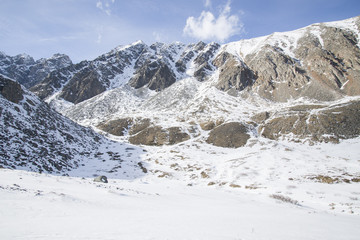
x=199, y=141
x=295, y=85
x=35, y=137
x=320, y=62
x=28, y=72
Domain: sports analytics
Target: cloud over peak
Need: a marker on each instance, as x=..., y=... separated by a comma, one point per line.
x=208, y=27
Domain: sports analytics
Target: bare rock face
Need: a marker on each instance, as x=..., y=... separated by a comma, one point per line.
x=116, y=127
x=229, y=135
x=119, y=127
x=322, y=64
x=82, y=86
x=326, y=124
x=335, y=65
x=11, y=90
x=157, y=136
x=278, y=76
x=233, y=74
x=156, y=75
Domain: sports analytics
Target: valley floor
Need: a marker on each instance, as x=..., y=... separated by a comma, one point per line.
x=266, y=190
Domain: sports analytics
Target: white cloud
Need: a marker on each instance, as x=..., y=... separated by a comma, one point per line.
x=208, y=27
x=106, y=8
x=99, y=5
x=207, y=3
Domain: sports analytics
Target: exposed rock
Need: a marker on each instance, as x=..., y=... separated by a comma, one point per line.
x=206, y=126
x=230, y=135
x=278, y=76
x=102, y=179
x=11, y=90
x=119, y=127
x=153, y=136
x=56, y=80
x=139, y=125
x=176, y=135
x=82, y=86
x=155, y=75
x=328, y=124
x=157, y=136
x=116, y=127
x=233, y=74
x=190, y=52
x=203, y=62
x=260, y=117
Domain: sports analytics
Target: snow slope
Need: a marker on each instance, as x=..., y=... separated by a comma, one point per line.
x=39, y=206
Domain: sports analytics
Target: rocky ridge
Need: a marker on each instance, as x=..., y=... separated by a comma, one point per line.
x=188, y=87
x=28, y=72
x=35, y=137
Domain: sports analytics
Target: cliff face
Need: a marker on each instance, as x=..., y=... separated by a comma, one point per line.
x=320, y=62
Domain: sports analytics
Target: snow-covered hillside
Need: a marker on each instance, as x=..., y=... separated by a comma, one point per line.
x=34, y=137
x=265, y=191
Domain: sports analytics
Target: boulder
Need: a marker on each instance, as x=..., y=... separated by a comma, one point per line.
x=158, y=136
x=229, y=135
x=102, y=179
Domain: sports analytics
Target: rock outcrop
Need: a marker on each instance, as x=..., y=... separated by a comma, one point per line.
x=315, y=123
x=229, y=135
x=158, y=136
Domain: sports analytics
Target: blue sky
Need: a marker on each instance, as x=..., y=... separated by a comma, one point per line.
x=84, y=29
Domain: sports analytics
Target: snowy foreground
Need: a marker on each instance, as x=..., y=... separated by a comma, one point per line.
x=265, y=190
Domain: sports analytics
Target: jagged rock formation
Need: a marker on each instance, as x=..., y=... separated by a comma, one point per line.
x=156, y=67
x=29, y=72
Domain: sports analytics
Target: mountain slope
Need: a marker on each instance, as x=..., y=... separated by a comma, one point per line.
x=155, y=67
x=35, y=137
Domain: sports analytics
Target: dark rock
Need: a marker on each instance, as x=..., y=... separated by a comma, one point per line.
x=11, y=90
x=152, y=136
x=82, y=86
x=116, y=127
x=157, y=136
x=260, y=117
x=234, y=74
x=229, y=135
x=328, y=124
x=155, y=75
